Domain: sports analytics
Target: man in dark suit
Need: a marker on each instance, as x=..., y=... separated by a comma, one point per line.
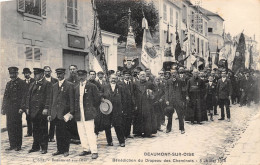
x=174, y=98
x=86, y=101
x=15, y=92
x=72, y=125
x=27, y=75
x=224, y=91
x=246, y=86
x=62, y=103
x=48, y=77
x=210, y=96
x=128, y=103
x=37, y=106
x=114, y=93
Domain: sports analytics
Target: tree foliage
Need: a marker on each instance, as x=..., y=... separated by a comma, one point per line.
x=113, y=17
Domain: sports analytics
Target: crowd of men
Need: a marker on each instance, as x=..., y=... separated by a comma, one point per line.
x=139, y=99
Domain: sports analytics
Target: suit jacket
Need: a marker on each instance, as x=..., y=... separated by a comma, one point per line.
x=62, y=100
x=14, y=93
x=173, y=92
x=38, y=98
x=53, y=80
x=117, y=98
x=224, y=89
x=91, y=100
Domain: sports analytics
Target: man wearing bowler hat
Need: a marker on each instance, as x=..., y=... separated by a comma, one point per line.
x=86, y=99
x=27, y=75
x=37, y=106
x=48, y=77
x=15, y=91
x=62, y=104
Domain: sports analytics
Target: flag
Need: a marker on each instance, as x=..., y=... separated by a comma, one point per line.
x=149, y=51
x=239, y=59
x=96, y=46
x=167, y=51
x=209, y=58
x=250, y=57
x=199, y=61
x=178, y=52
x=217, y=57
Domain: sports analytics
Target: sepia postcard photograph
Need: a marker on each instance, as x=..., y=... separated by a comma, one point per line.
x=130, y=82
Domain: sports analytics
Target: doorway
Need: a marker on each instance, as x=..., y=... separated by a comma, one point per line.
x=74, y=58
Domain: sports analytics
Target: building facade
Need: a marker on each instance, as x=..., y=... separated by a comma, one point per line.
x=57, y=33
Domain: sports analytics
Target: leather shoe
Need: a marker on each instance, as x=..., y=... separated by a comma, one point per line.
x=221, y=119
x=182, y=131
x=215, y=113
x=44, y=151
x=85, y=153
x=33, y=150
x=66, y=154
x=51, y=140
x=57, y=153
x=27, y=135
x=167, y=131
x=10, y=148
x=110, y=144
x=17, y=148
x=129, y=136
x=94, y=156
x=228, y=120
x=122, y=145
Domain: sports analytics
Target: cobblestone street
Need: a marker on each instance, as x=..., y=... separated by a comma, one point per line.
x=214, y=142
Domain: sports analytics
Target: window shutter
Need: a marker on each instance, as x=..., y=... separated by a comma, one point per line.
x=21, y=5
x=44, y=10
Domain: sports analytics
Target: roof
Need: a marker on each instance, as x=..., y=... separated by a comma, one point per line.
x=209, y=13
x=110, y=33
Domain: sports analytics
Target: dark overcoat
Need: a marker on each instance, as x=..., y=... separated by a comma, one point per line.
x=15, y=92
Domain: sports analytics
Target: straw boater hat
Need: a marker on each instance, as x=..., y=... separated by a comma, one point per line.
x=106, y=107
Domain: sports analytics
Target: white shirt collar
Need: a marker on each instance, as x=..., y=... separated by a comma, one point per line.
x=48, y=79
x=224, y=79
x=84, y=83
x=126, y=81
x=61, y=82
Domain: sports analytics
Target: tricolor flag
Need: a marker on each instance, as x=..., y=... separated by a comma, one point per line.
x=217, y=57
x=167, y=51
x=96, y=46
x=149, y=51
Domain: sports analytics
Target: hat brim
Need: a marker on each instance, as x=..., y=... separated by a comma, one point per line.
x=110, y=106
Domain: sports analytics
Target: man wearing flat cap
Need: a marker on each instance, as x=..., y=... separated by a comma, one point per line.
x=62, y=103
x=86, y=101
x=37, y=106
x=15, y=92
x=27, y=75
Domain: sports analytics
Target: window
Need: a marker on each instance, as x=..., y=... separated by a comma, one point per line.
x=33, y=7
x=171, y=16
x=192, y=20
x=184, y=14
x=72, y=12
x=177, y=19
x=202, y=48
x=164, y=12
x=33, y=56
x=210, y=30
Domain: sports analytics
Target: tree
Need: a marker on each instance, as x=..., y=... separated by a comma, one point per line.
x=113, y=17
